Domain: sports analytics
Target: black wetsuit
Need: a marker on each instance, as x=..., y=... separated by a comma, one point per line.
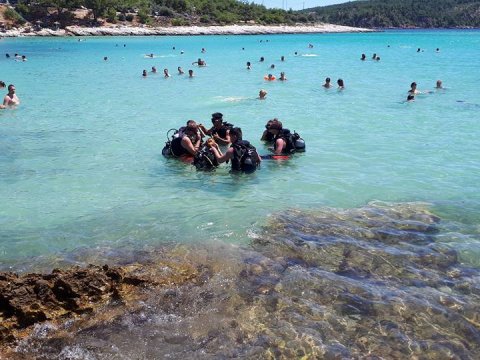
x=286, y=136
x=178, y=149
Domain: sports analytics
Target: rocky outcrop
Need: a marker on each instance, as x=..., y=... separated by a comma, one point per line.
x=29, y=299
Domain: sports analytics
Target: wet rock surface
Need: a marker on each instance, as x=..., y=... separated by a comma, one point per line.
x=367, y=283
x=30, y=299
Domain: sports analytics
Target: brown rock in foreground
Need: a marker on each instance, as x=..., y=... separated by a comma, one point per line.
x=29, y=299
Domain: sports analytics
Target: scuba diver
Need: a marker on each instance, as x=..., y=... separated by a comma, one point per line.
x=185, y=141
x=267, y=136
x=204, y=158
x=284, y=142
x=220, y=131
x=243, y=155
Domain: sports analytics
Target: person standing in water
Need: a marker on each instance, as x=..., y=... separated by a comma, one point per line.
x=11, y=99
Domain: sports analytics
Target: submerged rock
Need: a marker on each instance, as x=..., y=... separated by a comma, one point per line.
x=373, y=282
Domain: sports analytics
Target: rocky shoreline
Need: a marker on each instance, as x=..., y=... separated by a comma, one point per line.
x=121, y=30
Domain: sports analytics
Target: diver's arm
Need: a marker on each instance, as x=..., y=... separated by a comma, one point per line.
x=280, y=144
x=187, y=144
x=222, y=158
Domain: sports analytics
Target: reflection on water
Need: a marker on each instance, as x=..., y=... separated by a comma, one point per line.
x=372, y=282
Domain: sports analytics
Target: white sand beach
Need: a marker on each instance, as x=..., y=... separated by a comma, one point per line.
x=121, y=30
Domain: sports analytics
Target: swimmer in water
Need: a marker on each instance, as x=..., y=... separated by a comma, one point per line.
x=165, y=73
x=438, y=85
x=144, y=73
x=11, y=99
x=190, y=73
x=180, y=71
x=262, y=94
x=200, y=62
x=154, y=69
x=364, y=57
x=341, y=85
x=327, y=84
x=249, y=65
x=282, y=76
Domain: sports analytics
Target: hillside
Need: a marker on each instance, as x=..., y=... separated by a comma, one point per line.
x=45, y=13
x=401, y=14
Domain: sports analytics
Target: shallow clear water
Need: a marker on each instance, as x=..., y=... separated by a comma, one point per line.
x=81, y=164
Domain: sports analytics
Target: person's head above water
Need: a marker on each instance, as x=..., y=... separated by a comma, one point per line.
x=236, y=134
x=439, y=84
x=262, y=94
x=217, y=117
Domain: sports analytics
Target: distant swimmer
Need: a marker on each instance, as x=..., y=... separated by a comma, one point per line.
x=2, y=85
x=282, y=58
x=310, y=46
x=437, y=50
x=439, y=85
x=190, y=73
x=150, y=55
x=182, y=52
x=144, y=73
x=249, y=65
x=11, y=99
x=418, y=50
x=180, y=71
x=282, y=76
x=272, y=66
x=327, y=84
x=378, y=58
x=413, y=89
x=105, y=58
x=262, y=94
x=154, y=69
x=270, y=77
x=24, y=58
x=341, y=85
x=203, y=50
x=200, y=62
x=165, y=73
x=262, y=59
x=7, y=56
x=374, y=56
x=364, y=57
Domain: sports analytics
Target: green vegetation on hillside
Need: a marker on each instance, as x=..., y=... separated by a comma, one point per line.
x=155, y=12
x=402, y=14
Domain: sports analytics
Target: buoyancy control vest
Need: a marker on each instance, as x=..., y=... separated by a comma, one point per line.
x=245, y=157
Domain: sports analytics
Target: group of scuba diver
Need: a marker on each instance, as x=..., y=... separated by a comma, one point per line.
x=187, y=144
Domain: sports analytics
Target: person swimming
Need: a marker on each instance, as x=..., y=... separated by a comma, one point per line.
x=262, y=94
x=154, y=69
x=282, y=76
x=327, y=84
x=144, y=73
x=165, y=73
x=341, y=85
x=180, y=71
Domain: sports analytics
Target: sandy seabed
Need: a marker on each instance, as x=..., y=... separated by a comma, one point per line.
x=121, y=30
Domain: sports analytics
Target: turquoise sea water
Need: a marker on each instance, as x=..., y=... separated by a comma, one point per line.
x=80, y=158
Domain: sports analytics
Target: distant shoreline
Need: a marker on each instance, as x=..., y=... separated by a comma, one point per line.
x=120, y=30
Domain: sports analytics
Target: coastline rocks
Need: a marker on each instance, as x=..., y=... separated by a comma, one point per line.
x=29, y=299
x=120, y=30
